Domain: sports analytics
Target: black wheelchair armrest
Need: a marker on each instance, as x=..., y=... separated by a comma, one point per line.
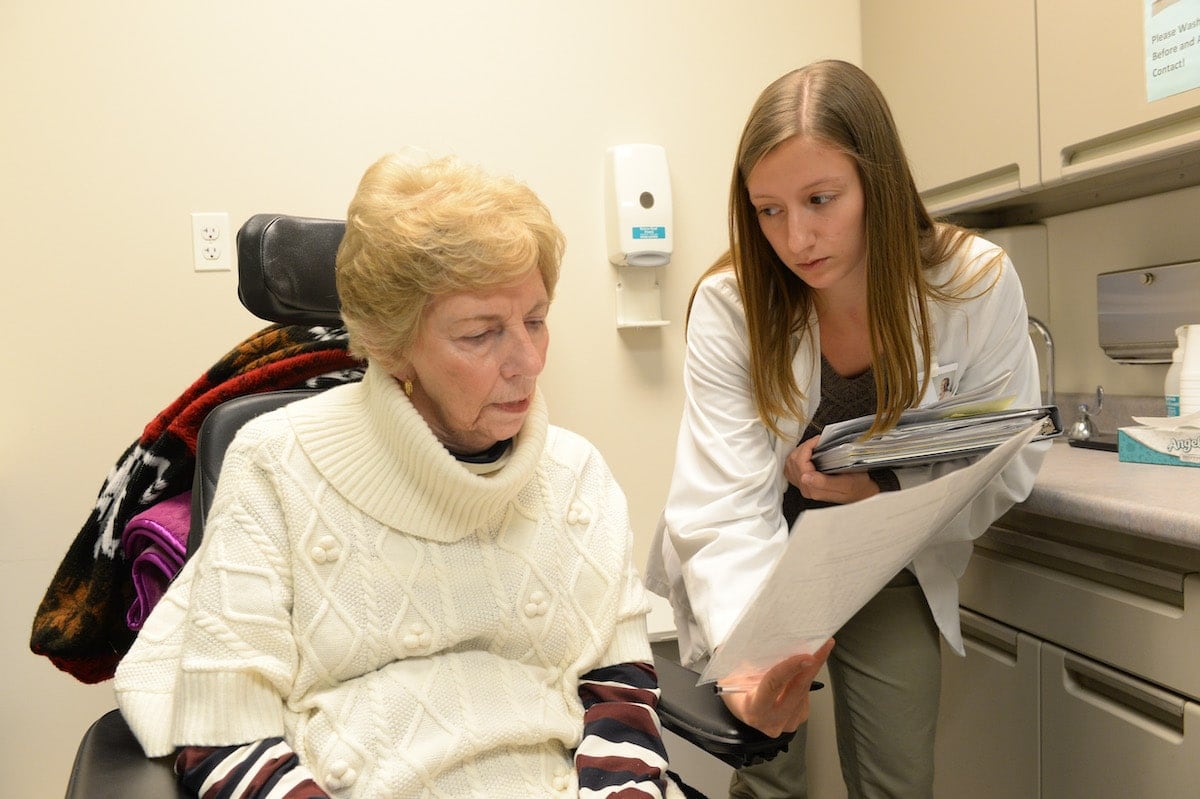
x=110, y=764
x=697, y=715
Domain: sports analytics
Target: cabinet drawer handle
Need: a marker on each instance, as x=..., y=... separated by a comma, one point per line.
x=986, y=185
x=1109, y=687
x=989, y=634
x=1177, y=129
x=1105, y=568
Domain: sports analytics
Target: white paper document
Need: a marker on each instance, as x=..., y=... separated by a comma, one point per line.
x=838, y=558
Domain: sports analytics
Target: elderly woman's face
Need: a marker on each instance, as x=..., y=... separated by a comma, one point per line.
x=476, y=361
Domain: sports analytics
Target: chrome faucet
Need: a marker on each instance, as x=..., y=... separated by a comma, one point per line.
x=1044, y=332
x=1084, y=428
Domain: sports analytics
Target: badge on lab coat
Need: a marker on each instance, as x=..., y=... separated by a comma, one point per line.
x=942, y=385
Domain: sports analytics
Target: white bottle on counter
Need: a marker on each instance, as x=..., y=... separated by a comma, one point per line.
x=1171, y=384
x=1189, y=376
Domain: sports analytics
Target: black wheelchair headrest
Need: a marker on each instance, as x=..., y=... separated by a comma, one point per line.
x=286, y=268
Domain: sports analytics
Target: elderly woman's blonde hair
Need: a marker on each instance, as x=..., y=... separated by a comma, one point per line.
x=420, y=229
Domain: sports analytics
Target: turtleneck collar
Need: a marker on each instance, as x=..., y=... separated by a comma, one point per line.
x=376, y=450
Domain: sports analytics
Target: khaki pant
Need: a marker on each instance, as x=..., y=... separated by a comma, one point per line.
x=886, y=679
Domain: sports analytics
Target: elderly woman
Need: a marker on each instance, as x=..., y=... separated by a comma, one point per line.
x=413, y=586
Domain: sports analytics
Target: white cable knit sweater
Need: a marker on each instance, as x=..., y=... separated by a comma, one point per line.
x=411, y=628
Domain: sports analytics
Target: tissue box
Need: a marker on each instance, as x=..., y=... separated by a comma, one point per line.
x=1171, y=446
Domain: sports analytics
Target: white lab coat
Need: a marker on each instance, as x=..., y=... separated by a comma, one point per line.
x=722, y=528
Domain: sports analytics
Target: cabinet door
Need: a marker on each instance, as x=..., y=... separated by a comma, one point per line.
x=1126, y=606
x=1106, y=734
x=961, y=80
x=987, y=737
x=1095, y=115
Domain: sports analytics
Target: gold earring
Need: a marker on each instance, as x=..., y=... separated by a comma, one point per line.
x=408, y=387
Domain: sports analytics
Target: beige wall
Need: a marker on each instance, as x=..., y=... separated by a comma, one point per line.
x=122, y=118
x=1059, y=258
x=1153, y=230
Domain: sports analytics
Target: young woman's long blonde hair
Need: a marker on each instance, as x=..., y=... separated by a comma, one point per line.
x=838, y=104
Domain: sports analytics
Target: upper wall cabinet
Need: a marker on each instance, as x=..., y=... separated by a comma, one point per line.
x=961, y=79
x=1092, y=74
x=1017, y=110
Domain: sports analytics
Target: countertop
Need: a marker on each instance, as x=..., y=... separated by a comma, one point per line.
x=1093, y=487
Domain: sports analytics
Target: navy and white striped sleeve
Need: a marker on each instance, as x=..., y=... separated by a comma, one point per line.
x=267, y=769
x=622, y=753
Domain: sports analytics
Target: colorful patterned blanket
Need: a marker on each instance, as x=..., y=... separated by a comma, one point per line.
x=81, y=622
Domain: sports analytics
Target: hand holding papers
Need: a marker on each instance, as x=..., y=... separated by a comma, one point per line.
x=838, y=558
x=779, y=701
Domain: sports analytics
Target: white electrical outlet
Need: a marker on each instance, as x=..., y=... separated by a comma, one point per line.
x=212, y=242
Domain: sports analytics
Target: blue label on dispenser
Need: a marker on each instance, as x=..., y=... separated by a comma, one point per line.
x=649, y=232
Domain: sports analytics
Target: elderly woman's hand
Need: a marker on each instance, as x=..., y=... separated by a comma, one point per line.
x=838, y=488
x=779, y=703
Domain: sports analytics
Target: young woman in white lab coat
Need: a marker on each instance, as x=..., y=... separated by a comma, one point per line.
x=840, y=296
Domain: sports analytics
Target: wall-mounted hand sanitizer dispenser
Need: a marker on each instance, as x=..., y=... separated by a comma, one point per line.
x=638, y=205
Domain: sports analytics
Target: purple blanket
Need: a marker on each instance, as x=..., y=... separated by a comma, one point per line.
x=155, y=542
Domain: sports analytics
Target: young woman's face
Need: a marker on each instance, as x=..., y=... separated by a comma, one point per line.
x=809, y=202
x=476, y=361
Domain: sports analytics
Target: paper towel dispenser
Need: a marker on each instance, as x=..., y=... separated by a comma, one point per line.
x=1139, y=310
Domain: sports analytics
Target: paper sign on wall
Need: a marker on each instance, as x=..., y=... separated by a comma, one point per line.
x=1172, y=47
